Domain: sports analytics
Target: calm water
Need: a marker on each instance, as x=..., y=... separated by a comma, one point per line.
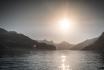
x=54, y=60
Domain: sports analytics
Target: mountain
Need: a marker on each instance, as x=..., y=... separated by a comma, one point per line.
x=97, y=45
x=63, y=46
x=59, y=46
x=12, y=42
x=46, y=41
x=44, y=46
x=13, y=39
x=82, y=45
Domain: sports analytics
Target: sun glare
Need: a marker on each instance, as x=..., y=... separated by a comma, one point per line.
x=65, y=24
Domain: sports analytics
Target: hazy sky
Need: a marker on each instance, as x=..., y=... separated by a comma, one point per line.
x=38, y=18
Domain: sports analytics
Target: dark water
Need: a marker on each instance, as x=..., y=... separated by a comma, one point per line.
x=54, y=60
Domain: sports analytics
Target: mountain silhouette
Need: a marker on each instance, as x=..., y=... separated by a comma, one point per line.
x=46, y=41
x=84, y=44
x=97, y=45
x=12, y=42
x=59, y=46
x=63, y=46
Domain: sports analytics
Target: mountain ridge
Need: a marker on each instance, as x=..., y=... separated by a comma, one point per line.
x=84, y=44
x=98, y=45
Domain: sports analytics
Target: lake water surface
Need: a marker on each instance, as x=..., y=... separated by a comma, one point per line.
x=54, y=60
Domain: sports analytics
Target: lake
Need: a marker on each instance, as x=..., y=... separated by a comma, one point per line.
x=55, y=60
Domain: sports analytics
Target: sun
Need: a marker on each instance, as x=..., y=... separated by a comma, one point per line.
x=65, y=24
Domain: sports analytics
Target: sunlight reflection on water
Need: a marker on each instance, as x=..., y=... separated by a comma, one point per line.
x=64, y=65
x=54, y=60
